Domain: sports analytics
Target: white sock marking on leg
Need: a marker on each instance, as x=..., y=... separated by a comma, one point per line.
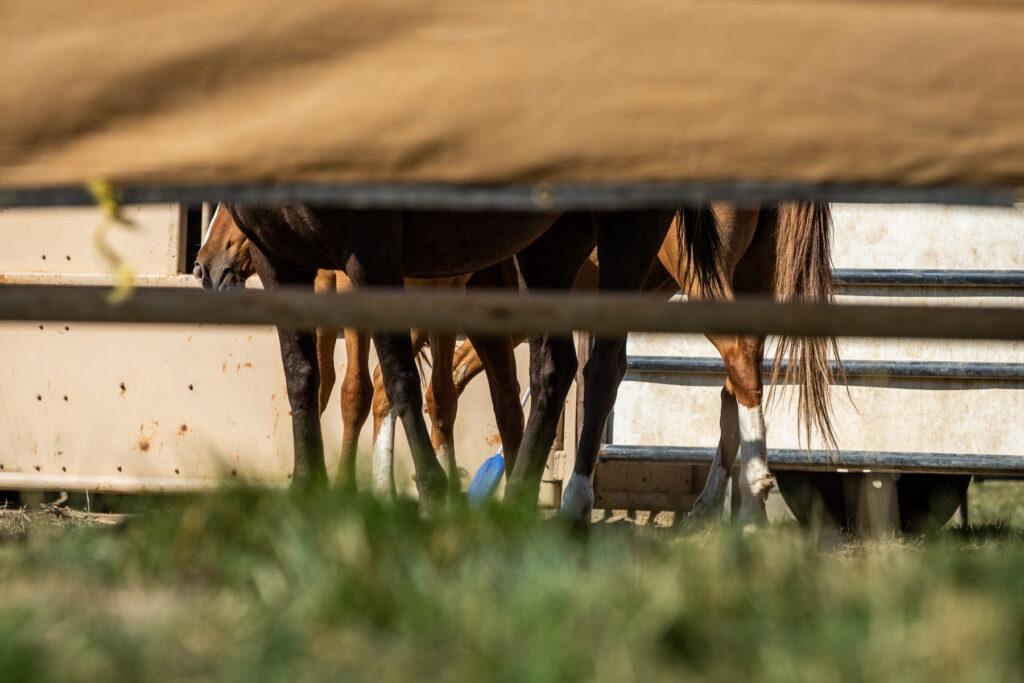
x=384, y=456
x=755, y=481
x=578, y=500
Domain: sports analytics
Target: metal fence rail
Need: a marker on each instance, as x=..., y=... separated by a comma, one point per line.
x=823, y=461
x=529, y=197
x=637, y=367
x=884, y=277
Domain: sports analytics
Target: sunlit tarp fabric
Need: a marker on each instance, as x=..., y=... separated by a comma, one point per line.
x=217, y=91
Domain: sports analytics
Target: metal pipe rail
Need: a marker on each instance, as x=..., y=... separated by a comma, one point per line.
x=522, y=197
x=681, y=365
x=823, y=461
x=883, y=277
x=501, y=313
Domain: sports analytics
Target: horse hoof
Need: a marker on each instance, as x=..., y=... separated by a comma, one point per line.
x=309, y=481
x=705, y=512
x=578, y=500
x=346, y=485
x=433, y=490
x=752, y=516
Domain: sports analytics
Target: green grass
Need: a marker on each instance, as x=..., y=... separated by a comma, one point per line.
x=262, y=587
x=996, y=502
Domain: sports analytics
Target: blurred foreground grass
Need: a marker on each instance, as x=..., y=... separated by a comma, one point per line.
x=250, y=587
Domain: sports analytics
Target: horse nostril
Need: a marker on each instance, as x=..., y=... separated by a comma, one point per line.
x=198, y=271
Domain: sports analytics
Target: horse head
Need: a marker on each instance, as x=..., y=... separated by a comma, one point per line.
x=224, y=261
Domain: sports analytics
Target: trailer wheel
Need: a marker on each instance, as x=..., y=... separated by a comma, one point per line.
x=926, y=501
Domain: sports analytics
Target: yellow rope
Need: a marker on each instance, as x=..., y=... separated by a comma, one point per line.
x=106, y=198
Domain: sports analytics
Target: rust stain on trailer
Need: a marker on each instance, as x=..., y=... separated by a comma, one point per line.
x=145, y=439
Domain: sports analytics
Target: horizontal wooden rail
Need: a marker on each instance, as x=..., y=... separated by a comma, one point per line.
x=500, y=313
x=682, y=365
x=822, y=461
x=524, y=197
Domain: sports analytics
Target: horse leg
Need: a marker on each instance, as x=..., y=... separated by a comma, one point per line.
x=743, y=365
x=549, y=263
x=384, y=424
x=385, y=421
x=442, y=404
x=627, y=244
x=356, y=386
x=326, y=339
x=302, y=378
x=712, y=497
x=496, y=355
x=742, y=430
x=739, y=234
x=467, y=364
x=377, y=262
x=356, y=400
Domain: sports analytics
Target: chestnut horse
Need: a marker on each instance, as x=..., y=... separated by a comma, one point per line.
x=780, y=250
x=378, y=248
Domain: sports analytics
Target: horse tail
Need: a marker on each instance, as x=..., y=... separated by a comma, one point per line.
x=803, y=272
x=423, y=365
x=700, y=246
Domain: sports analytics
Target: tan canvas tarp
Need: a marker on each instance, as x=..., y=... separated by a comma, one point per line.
x=217, y=91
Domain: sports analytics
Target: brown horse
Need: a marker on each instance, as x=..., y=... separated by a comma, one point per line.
x=378, y=248
x=776, y=250
x=782, y=251
x=225, y=244
x=497, y=360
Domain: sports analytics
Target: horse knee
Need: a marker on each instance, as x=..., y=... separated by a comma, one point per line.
x=608, y=359
x=304, y=381
x=743, y=367
x=356, y=397
x=327, y=379
x=381, y=407
x=552, y=374
x=404, y=393
x=327, y=376
x=442, y=411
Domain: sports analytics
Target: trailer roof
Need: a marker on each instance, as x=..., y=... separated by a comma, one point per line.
x=913, y=93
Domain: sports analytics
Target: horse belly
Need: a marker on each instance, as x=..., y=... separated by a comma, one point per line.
x=443, y=244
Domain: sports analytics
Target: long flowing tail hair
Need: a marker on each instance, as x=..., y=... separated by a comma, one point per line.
x=700, y=246
x=803, y=272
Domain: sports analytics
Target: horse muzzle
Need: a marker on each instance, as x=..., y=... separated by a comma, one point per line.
x=220, y=280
